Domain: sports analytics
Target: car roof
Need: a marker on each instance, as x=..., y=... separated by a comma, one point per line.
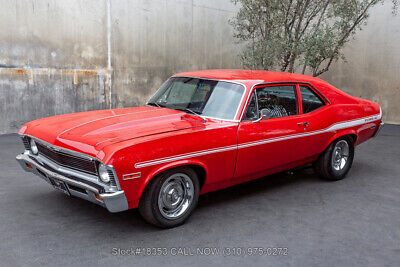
x=255, y=76
x=249, y=78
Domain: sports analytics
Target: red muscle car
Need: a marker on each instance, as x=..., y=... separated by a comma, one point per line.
x=201, y=131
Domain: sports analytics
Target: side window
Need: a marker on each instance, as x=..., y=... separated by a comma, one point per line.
x=252, y=110
x=280, y=101
x=310, y=100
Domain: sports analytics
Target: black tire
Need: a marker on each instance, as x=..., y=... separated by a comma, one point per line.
x=325, y=167
x=149, y=202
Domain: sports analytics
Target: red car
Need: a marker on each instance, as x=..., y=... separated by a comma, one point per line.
x=202, y=131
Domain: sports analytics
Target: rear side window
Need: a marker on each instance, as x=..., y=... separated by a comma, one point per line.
x=310, y=100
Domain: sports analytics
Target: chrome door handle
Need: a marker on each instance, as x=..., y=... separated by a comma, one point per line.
x=304, y=123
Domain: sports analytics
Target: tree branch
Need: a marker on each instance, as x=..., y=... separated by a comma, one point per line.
x=359, y=19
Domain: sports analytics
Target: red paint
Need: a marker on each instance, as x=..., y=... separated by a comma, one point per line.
x=131, y=136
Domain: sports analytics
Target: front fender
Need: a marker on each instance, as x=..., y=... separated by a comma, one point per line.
x=161, y=168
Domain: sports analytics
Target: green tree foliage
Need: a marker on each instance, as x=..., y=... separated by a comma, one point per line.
x=298, y=35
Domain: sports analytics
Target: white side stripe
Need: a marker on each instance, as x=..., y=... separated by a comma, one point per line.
x=184, y=156
x=333, y=127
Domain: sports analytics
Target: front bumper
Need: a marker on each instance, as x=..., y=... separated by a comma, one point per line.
x=78, y=187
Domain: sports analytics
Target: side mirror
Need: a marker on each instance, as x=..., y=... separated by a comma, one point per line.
x=265, y=114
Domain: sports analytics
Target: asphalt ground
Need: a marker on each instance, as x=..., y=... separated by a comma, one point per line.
x=353, y=222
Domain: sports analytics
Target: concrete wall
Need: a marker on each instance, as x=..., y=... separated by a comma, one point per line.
x=372, y=69
x=73, y=55
x=153, y=39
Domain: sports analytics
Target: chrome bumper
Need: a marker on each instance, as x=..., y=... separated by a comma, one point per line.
x=113, y=201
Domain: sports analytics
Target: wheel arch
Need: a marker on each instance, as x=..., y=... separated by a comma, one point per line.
x=199, y=167
x=349, y=132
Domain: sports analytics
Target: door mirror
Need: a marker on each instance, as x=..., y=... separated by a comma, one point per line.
x=265, y=114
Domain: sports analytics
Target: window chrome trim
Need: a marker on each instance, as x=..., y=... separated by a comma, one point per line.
x=214, y=118
x=281, y=82
x=320, y=97
x=217, y=80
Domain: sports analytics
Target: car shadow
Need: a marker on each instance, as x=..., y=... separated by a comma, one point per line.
x=259, y=186
x=131, y=222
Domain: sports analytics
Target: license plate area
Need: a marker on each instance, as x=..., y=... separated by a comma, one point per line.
x=60, y=185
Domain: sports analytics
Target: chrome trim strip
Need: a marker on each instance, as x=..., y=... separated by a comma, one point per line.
x=61, y=149
x=57, y=151
x=72, y=171
x=333, y=127
x=219, y=80
x=22, y=158
x=272, y=83
x=67, y=169
x=214, y=118
x=115, y=175
x=113, y=201
x=184, y=156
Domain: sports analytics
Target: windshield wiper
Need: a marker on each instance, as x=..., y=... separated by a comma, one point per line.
x=155, y=104
x=191, y=111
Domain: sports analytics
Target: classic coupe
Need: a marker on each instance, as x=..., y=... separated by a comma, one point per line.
x=200, y=132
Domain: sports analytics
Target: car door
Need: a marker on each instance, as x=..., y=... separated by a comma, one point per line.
x=315, y=114
x=269, y=144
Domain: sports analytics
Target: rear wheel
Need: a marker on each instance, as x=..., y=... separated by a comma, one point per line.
x=170, y=198
x=336, y=160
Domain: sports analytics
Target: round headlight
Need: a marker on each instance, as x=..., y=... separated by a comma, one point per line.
x=103, y=174
x=34, y=148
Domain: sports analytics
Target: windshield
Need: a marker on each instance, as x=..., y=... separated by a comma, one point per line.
x=209, y=98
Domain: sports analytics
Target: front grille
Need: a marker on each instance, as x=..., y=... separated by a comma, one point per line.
x=112, y=178
x=77, y=163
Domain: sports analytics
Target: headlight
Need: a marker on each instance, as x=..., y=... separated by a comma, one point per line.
x=103, y=174
x=34, y=148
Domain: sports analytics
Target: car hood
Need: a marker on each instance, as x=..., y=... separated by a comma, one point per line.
x=89, y=132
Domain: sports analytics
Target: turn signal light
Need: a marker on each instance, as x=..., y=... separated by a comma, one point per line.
x=131, y=176
x=97, y=196
x=28, y=165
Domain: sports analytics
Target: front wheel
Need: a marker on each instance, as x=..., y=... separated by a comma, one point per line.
x=336, y=160
x=170, y=198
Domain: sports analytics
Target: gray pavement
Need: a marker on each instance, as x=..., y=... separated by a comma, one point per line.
x=353, y=222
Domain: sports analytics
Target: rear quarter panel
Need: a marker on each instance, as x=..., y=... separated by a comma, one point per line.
x=345, y=111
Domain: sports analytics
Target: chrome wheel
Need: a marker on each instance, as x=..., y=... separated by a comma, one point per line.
x=340, y=155
x=176, y=196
